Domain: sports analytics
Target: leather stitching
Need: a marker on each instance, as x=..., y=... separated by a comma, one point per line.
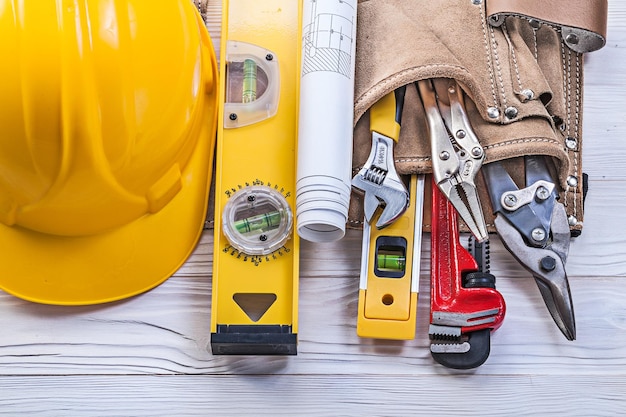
x=575, y=152
x=527, y=140
x=423, y=159
x=536, y=49
x=483, y=22
x=494, y=45
x=505, y=31
x=566, y=104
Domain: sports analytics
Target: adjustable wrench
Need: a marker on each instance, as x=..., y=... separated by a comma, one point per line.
x=378, y=177
x=465, y=306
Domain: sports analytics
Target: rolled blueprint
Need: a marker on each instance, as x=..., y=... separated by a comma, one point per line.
x=326, y=114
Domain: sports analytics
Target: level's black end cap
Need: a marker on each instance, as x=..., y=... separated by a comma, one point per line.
x=244, y=339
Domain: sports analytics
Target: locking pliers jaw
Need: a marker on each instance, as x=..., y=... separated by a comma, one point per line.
x=456, y=153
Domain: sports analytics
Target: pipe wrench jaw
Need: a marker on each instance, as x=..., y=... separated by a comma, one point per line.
x=470, y=353
x=461, y=340
x=381, y=184
x=470, y=310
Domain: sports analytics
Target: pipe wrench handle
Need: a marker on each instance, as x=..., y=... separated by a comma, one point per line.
x=450, y=264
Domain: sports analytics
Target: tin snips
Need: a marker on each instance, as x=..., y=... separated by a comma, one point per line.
x=456, y=152
x=533, y=226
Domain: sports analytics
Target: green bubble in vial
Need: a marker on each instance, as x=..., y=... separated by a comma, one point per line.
x=249, y=81
x=391, y=262
x=265, y=221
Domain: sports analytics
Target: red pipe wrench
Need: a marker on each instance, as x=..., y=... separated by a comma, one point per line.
x=464, y=304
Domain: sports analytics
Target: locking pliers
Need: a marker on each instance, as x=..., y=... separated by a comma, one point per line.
x=456, y=153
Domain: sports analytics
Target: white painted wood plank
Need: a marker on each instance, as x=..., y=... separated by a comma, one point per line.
x=604, y=114
x=319, y=395
x=601, y=249
x=214, y=24
x=167, y=331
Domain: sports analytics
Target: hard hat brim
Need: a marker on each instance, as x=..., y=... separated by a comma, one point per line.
x=115, y=265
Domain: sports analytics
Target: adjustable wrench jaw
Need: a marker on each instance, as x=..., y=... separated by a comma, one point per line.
x=378, y=178
x=380, y=182
x=461, y=317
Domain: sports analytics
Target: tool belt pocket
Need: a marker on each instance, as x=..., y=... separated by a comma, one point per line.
x=521, y=72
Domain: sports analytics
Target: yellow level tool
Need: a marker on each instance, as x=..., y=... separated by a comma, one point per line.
x=255, y=264
x=390, y=268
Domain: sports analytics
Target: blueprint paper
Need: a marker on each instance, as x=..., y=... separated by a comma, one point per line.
x=326, y=119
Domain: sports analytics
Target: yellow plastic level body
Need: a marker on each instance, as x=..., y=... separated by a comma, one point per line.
x=255, y=295
x=389, y=284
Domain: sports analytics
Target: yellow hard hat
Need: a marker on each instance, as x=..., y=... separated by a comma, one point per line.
x=107, y=131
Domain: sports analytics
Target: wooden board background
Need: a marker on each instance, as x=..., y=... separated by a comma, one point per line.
x=148, y=355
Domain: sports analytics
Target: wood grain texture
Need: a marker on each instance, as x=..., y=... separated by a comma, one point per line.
x=148, y=355
x=312, y=395
x=165, y=331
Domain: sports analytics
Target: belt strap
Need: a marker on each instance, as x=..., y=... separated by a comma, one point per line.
x=582, y=22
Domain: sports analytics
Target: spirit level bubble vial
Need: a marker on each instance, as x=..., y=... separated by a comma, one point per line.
x=255, y=264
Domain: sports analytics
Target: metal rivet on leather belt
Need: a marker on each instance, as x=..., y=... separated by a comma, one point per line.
x=511, y=112
x=571, y=143
x=572, y=181
x=493, y=112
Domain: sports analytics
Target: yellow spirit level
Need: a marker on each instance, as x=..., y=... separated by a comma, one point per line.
x=255, y=264
x=390, y=268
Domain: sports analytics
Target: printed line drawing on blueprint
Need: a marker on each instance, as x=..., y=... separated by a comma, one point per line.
x=328, y=37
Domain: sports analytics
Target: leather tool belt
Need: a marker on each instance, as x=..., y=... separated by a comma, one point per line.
x=519, y=62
